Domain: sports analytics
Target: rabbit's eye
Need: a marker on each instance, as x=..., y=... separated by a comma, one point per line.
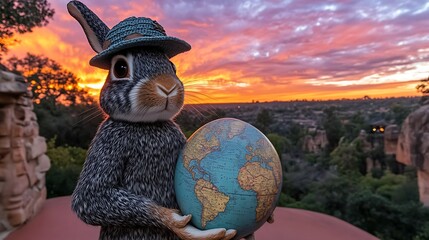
x=121, y=69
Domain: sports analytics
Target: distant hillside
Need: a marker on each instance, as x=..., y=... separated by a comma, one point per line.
x=309, y=113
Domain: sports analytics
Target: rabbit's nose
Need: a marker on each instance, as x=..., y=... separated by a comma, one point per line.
x=166, y=91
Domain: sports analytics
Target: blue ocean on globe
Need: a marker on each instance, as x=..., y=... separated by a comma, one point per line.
x=229, y=176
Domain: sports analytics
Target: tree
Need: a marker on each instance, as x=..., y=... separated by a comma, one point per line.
x=334, y=128
x=264, y=120
x=193, y=117
x=330, y=196
x=424, y=233
x=383, y=218
x=423, y=87
x=295, y=133
x=73, y=125
x=20, y=16
x=280, y=143
x=66, y=165
x=300, y=177
x=49, y=81
x=354, y=126
x=397, y=188
x=349, y=158
x=63, y=108
x=400, y=112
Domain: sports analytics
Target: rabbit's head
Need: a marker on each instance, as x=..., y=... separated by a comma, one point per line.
x=142, y=85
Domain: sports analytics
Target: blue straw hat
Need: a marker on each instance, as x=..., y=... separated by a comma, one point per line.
x=133, y=32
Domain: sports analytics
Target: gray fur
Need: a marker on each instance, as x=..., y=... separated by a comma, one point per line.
x=129, y=171
x=127, y=179
x=99, y=28
x=148, y=63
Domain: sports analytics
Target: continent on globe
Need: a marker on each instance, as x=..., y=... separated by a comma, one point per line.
x=213, y=201
x=265, y=156
x=228, y=176
x=261, y=180
x=197, y=150
x=236, y=128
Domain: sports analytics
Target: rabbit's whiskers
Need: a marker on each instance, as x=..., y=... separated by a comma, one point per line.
x=88, y=117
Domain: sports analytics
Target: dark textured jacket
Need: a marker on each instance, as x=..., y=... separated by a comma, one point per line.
x=127, y=175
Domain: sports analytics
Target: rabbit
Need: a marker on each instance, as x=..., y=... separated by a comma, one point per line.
x=126, y=184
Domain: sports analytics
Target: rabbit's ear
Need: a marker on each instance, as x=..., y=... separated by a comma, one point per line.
x=95, y=29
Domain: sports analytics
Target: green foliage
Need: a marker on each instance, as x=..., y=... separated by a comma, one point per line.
x=334, y=128
x=286, y=200
x=20, y=16
x=264, y=120
x=424, y=233
x=295, y=136
x=378, y=155
x=64, y=156
x=349, y=158
x=321, y=159
x=393, y=165
x=190, y=120
x=280, y=143
x=66, y=165
x=383, y=218
x=330, y=196
x=370, y=211
x=301, y=176
x=73, y=125
x=295, y=133
x=356, y=123
x=188, y=134
x=397, y=188
x=387, y=207
x=400, y=112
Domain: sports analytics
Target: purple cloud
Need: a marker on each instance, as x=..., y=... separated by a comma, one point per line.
x=304, y=43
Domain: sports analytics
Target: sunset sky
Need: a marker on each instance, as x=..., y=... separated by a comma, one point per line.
x=264, y=50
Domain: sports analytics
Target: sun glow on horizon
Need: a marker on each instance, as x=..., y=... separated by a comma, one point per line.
x=239, y=57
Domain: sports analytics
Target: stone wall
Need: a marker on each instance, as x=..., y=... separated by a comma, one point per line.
x=23, y=162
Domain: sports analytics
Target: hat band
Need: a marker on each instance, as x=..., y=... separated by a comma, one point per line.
x=107, y=43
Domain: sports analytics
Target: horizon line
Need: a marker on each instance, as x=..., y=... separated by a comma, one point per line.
x=304, y=100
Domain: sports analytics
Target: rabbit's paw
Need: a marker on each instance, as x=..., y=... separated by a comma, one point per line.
x=191, y=233
x=179, y=225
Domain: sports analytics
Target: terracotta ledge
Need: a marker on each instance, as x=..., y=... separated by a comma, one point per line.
x=57, y=221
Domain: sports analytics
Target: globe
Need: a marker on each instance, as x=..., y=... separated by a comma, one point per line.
x=228, y=176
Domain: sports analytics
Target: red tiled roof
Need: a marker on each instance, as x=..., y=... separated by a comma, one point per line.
x=56, y=221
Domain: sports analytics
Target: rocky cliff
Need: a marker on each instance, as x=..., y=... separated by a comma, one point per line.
x=391, y=135
x=413, y=148
x=315, y=142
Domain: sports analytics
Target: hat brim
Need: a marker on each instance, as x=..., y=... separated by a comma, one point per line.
x=170, y=45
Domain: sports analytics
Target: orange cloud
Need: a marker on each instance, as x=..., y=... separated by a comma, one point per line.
x=269, y=51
